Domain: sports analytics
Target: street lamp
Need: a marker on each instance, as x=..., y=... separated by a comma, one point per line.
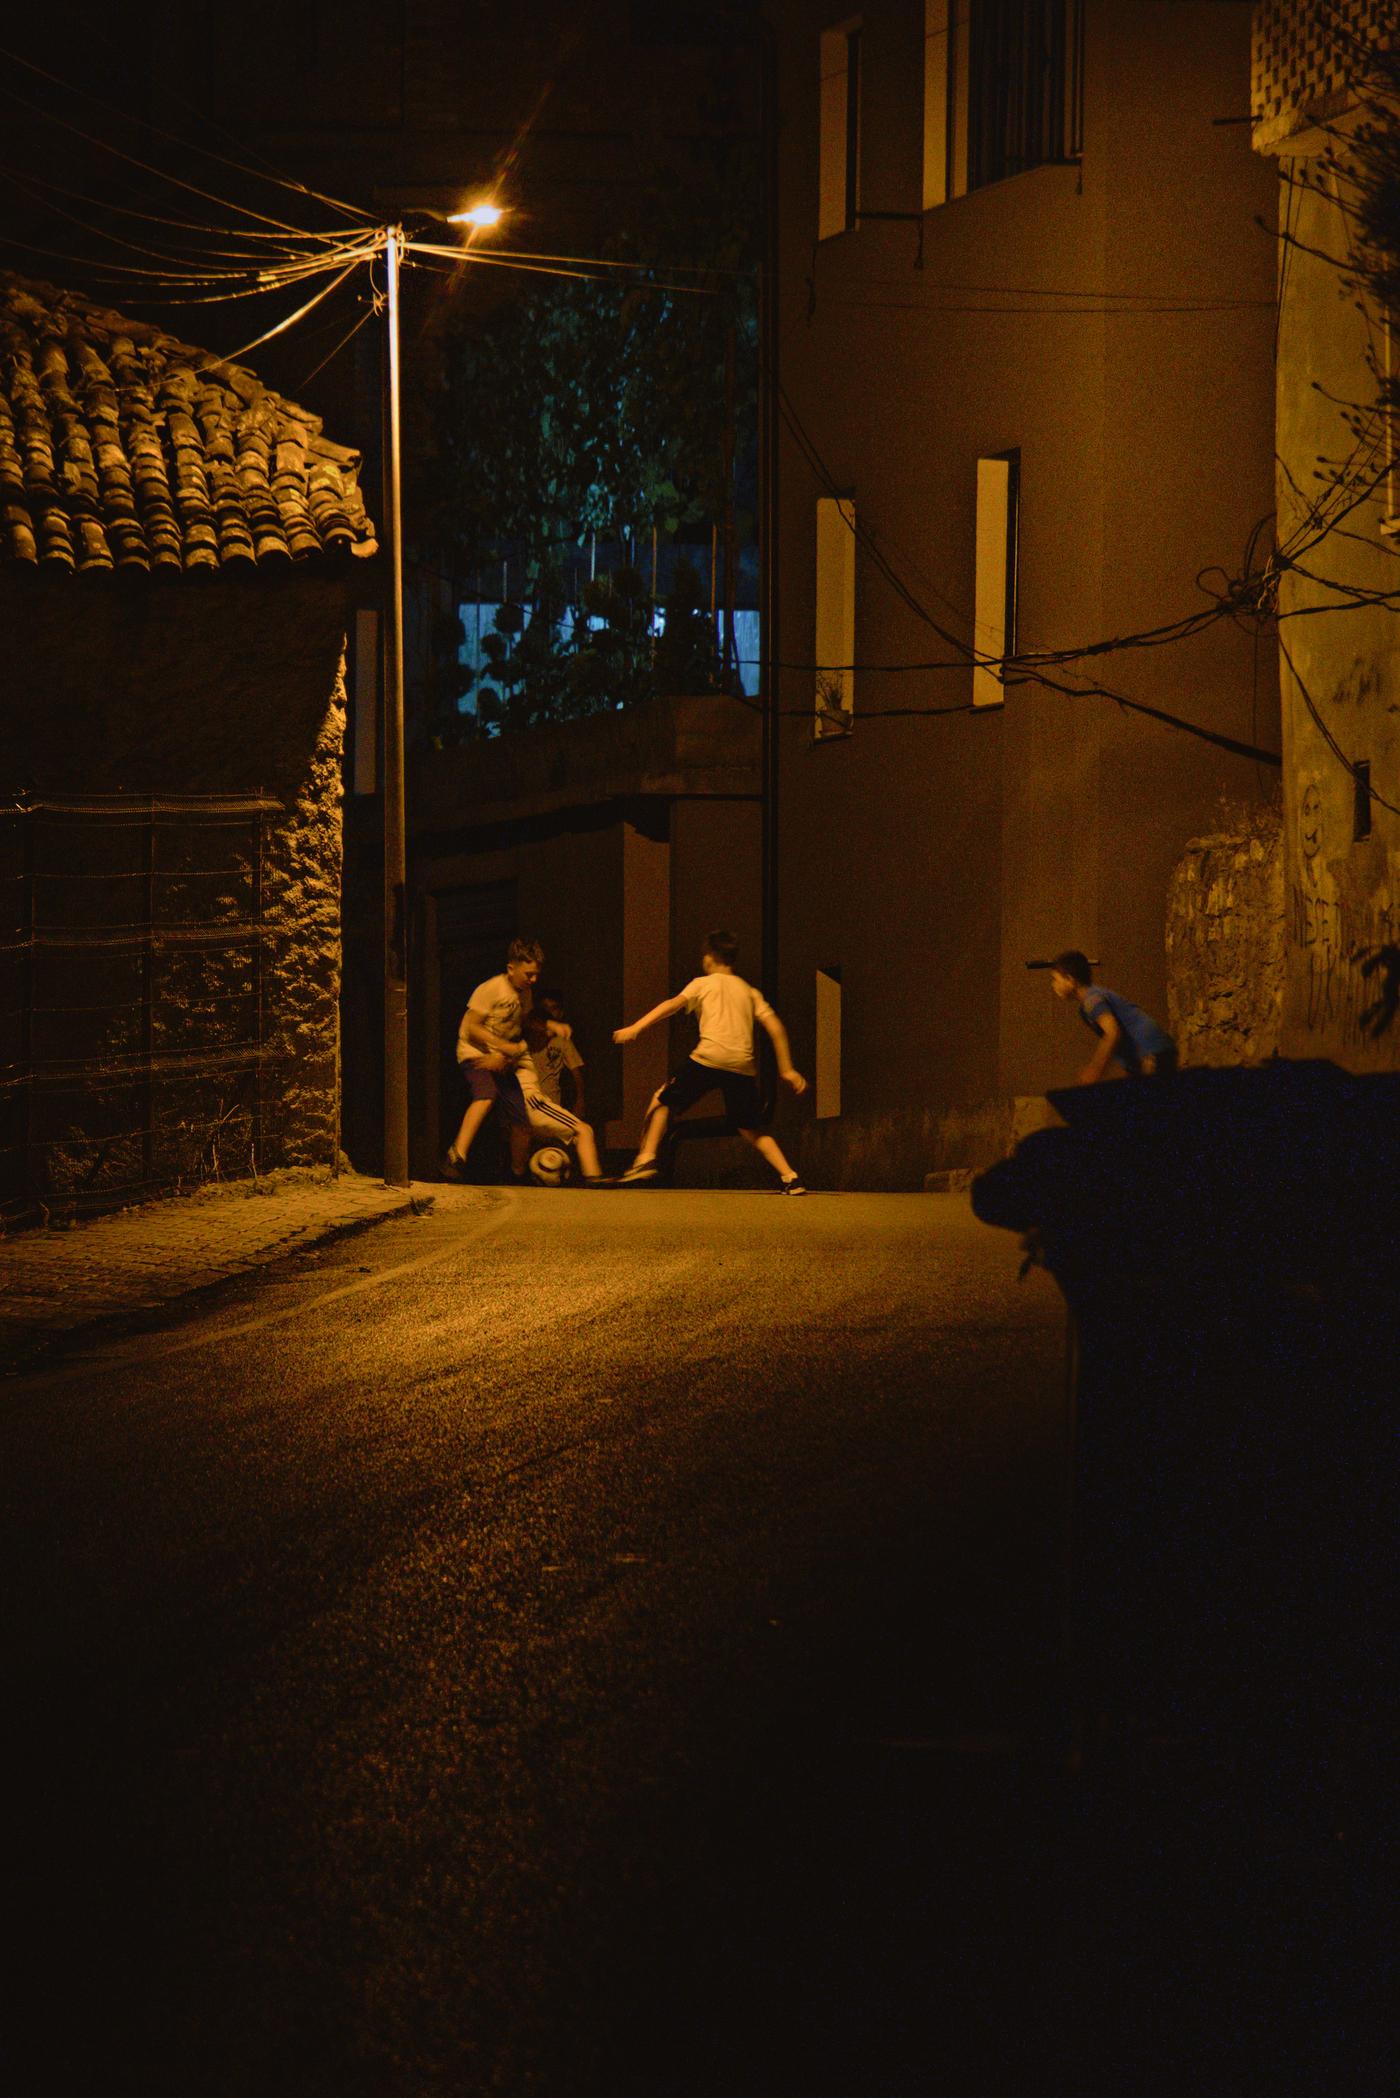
x=482, y=214
x=395, y=850
x=395, y=244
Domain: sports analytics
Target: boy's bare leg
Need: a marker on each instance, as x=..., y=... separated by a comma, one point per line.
x=768, y=1148
x=471, y=1121
x=587, y=1148
x=519, y=1137
x=653, y=1129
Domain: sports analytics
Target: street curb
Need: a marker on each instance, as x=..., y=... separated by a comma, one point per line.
x=35, y=1351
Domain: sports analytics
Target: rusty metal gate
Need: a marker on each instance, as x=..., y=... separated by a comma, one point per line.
x=133, y=997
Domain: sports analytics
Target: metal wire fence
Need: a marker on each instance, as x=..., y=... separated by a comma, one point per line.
x=133, y=997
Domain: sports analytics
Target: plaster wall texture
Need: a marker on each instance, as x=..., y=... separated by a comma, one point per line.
x=1225, y=926
x=931, y=858
x=227, y=687
x=715, y=848
x=1342, y=973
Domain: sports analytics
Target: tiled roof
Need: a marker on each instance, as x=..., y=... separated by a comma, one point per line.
x=121, y=448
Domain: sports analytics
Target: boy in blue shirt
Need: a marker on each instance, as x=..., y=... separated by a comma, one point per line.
x=1124, y=1031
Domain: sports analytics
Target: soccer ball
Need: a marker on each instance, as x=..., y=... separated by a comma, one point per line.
x=551, y=1165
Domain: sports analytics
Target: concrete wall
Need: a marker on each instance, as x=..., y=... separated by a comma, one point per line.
x=930, y=858
x=227, y=687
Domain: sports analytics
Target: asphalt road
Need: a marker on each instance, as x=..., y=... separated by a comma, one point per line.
x=568, y=1644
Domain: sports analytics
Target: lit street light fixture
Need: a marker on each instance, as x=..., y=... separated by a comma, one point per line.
x=483, y=214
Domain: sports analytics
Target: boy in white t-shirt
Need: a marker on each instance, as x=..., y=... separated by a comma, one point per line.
x=490, y=1044
x=726, y=1008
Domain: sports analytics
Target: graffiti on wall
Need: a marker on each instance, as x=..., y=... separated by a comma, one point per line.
x=1345, y=947
x=1352, y=965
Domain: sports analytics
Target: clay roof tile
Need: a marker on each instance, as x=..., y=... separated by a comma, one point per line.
x=121, y=447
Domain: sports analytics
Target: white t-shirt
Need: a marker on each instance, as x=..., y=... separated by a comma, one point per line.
x=503, y=1009
x=726, y=1008
x=557, y=1055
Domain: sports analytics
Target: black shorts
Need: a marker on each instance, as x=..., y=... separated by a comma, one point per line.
x=741, y=1101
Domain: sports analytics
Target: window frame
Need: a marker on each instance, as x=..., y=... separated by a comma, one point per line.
x=838, y=127
x=957, y=156
x=834, y=617
x=826, y=1057
x=996, y=574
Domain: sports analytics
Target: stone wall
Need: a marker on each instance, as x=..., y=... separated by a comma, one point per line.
x=230, y=687
x=304, y=917
x=1225, y=934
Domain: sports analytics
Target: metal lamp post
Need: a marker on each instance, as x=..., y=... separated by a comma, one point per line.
x=395, y=244
x=395, y=849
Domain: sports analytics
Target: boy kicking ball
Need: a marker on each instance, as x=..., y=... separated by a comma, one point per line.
x=726, y=1008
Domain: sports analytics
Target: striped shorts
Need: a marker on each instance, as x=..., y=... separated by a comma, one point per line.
x=548, y=1118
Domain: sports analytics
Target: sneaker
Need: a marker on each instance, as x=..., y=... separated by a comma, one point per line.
x=794, y=1186
x=646, y=1171
x=594, y=1180
x=453, y=1167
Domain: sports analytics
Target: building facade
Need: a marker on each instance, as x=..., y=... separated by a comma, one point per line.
x=1023, y=359
x=1321, y=82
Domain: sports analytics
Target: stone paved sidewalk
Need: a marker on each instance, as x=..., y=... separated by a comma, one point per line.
x=53, y=1281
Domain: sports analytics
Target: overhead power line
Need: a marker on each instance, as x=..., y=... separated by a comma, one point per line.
x=1348, y=765
x=1031, y=667
x=186, y=145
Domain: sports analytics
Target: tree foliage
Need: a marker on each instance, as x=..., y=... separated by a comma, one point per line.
x=591, y=406
x=555, y=661
x=597, y=405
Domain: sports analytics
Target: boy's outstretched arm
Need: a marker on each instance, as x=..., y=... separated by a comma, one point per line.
x=777, y=1034
x=664, y=1011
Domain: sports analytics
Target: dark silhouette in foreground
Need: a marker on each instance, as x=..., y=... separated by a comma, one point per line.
x=1226, y=1241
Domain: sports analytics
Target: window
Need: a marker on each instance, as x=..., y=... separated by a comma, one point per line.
x=835, y=648
x=1361, y=799
x=994, y=616
x=838, y=191
x=1002, y=90
x=828, y=1057
x=939, y=102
